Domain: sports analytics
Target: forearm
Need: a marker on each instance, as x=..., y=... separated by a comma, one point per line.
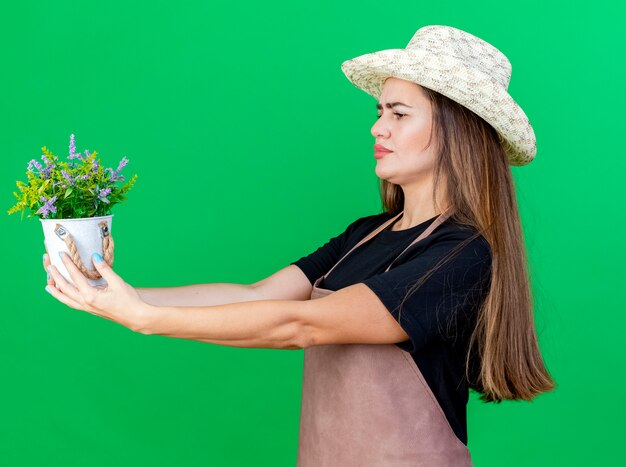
x=254, y=324
x=199, y=294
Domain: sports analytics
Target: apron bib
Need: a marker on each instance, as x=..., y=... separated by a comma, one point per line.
x=369, y=405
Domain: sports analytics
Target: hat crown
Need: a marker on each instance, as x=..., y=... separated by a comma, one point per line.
x=452, y=44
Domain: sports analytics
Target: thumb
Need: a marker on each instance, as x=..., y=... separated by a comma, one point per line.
x=105, y=270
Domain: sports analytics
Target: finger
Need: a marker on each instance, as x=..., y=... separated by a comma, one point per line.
x=63, y=285
x=105, y=269
x=46, y=263
x=56, y=293
x=77, y=276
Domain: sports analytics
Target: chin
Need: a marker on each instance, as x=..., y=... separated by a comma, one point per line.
x=383, y=174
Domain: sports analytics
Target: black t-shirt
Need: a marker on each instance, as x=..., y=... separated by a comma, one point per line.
x=439, y=316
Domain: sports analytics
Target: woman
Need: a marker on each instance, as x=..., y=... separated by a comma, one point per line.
x=418, y=303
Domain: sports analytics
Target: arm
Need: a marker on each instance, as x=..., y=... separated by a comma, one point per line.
x=289, y=283
x=253, y=324
x=199, y=294
x=350, y=315
x=190, y=295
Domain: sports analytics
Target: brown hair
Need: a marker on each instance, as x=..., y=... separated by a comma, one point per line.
x=480, y=189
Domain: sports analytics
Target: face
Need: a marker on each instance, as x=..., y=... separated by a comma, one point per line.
x=404, y=130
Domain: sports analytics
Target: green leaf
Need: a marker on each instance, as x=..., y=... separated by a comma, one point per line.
x=68, y=192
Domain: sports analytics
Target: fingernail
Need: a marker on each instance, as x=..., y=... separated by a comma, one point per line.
x=61, y=254
x=48, y=290
x=48, y=274
x=97, y=257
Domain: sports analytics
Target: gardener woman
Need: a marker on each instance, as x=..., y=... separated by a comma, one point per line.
x=408, y=308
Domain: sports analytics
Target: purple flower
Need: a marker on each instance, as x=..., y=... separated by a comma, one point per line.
x=35, y=164
x=48, y=206
x=103, y=194
x=123, y=163
x=95, y=166
x=115, y=176
x=47, y=172
x=85, y=177
x=73, y=154
x=67, y=177
x=87, y=153
x=48, y=162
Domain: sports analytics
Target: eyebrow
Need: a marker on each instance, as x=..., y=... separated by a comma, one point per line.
x=392, y=105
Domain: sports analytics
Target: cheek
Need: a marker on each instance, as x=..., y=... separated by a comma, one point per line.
x=414, y=153
x=416, y=137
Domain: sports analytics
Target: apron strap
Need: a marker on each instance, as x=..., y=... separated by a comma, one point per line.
x=372, y=234
x=442, y=217
x=436, y=223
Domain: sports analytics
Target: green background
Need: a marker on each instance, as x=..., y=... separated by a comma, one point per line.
x=252, y=150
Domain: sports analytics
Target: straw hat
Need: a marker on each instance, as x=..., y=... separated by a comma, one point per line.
x=460, y=66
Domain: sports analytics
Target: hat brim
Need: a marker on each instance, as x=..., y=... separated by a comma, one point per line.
x=469, y=87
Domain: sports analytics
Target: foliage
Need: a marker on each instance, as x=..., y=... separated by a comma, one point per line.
x=78, y=187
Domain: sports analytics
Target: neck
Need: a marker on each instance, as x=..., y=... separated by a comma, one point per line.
x=419, y=206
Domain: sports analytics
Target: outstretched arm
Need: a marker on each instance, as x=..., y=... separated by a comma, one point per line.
x=269, y=324
x=190, y=295
x=351, y=315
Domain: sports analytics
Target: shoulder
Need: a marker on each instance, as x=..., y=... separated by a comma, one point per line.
x=453, y=246
x=450, y=235
x=468, y=238
x=465, y=254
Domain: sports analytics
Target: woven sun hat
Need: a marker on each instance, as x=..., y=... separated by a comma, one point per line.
x=460, y=66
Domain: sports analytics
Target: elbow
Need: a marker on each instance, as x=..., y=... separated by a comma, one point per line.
x=301, y=335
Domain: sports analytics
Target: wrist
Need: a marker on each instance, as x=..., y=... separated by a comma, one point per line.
x=147, y=316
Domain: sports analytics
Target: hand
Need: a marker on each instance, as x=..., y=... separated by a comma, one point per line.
x=117, y=301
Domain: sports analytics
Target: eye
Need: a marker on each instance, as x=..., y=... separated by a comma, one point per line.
x=395, y=113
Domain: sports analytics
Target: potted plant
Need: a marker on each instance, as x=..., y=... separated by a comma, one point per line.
x=73, y=200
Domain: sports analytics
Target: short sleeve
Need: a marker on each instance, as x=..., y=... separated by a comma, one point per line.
x=319, y=262
x=446, y=303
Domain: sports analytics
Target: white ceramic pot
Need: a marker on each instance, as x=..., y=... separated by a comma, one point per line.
x=87, y=235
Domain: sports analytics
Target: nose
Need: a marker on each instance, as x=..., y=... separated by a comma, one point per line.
x=380, y=129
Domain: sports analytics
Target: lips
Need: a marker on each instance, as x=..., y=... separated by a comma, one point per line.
x=380, y=151
x=381, y=148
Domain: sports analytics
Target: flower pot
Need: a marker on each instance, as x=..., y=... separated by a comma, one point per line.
x=79, y=238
